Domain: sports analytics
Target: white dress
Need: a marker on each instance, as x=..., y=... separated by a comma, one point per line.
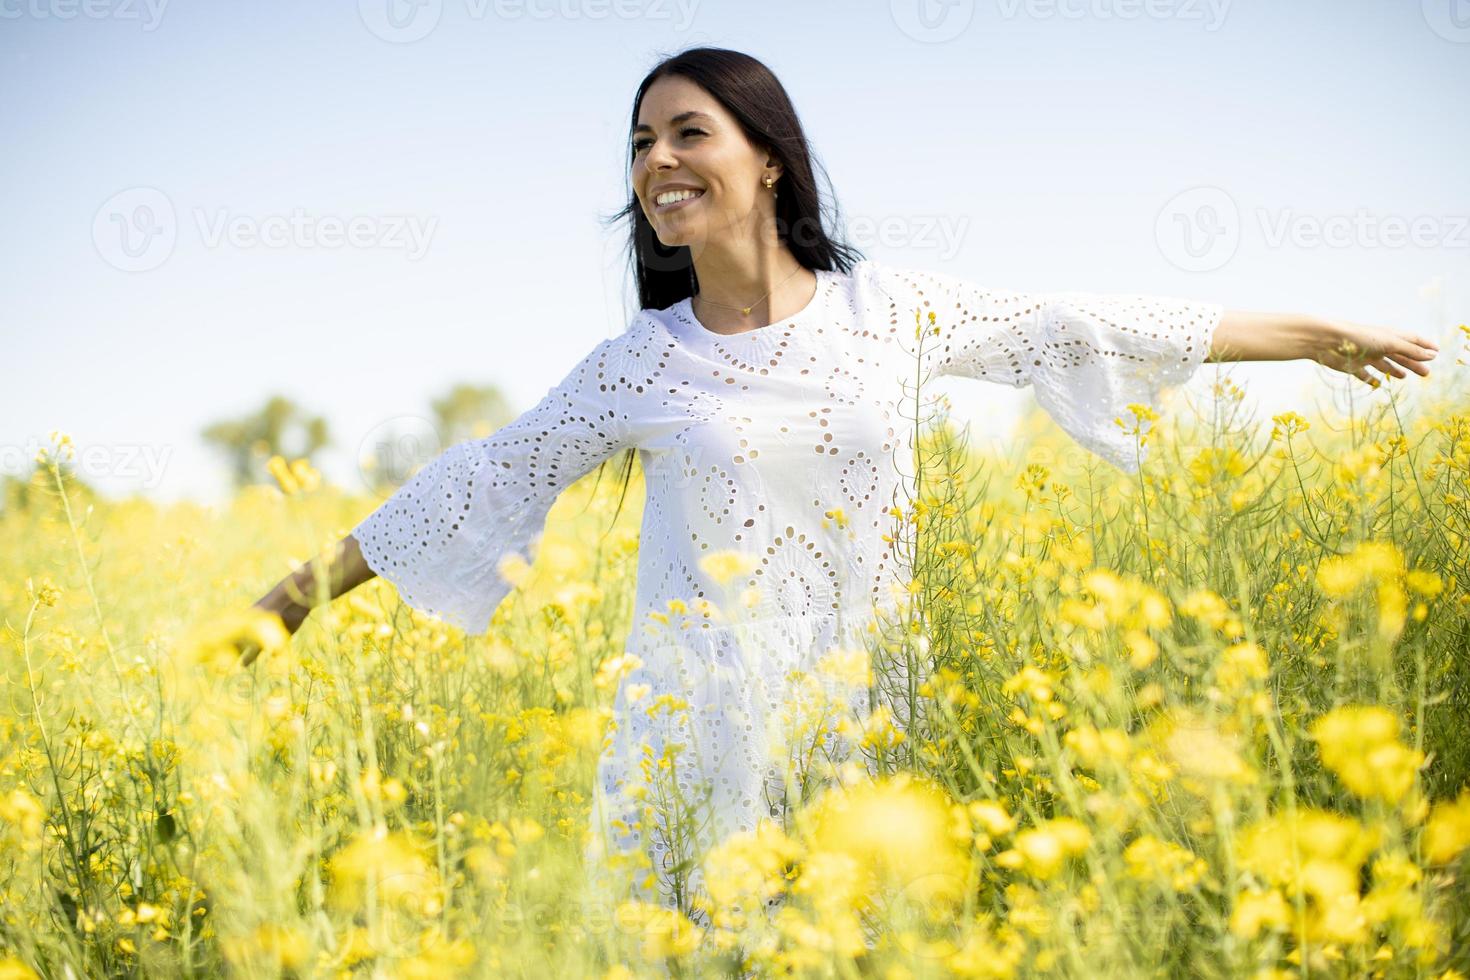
x=747, y=442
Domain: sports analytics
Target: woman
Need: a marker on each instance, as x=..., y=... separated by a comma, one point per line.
x=761, y=384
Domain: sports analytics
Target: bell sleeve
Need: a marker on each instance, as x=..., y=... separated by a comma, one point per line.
x=1086, y=356
x=441, y=536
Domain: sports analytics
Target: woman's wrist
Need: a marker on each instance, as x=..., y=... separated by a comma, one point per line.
x=1318, y=335
x=279, y=601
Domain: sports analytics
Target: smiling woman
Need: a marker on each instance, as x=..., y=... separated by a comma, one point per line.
x=762, y=385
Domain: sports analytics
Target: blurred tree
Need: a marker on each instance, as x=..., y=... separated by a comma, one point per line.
x=396, y=450
x=470, y=412
x=280, y=427
x=37, y=488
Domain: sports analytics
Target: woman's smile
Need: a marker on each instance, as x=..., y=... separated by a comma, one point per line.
x=676, y=205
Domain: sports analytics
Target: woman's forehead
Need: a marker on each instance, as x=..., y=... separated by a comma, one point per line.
x=675, y=98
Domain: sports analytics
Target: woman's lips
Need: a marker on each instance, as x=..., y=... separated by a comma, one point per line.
x=661, y=208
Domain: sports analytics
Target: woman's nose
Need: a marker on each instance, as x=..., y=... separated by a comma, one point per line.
x=658, y=158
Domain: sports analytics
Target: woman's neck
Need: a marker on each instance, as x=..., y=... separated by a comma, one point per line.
x=777, y=289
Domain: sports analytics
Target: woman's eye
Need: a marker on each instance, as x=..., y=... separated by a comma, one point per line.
x=641, y=144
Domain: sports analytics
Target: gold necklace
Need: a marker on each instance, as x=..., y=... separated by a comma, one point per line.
x=746, y=309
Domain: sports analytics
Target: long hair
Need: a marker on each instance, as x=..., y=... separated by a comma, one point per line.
x=753, y=95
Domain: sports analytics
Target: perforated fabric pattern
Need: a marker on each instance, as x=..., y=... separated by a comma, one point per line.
x=787, y=443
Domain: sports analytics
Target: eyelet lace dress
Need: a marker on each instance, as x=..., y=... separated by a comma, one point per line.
x=749, y=443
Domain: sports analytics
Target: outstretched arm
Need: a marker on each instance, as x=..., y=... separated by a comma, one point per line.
x=1339, y=344
x=341, y=569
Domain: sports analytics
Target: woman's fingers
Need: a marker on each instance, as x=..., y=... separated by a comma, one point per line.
x=1420, y=350
x=1411, y=361
x=1415, y=351
x=1389, y=351
x=1389, y=369
x=1417, y=347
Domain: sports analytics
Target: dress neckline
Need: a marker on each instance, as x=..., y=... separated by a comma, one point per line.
x=684, y=312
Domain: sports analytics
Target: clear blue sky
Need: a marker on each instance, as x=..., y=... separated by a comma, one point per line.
x=1025, y=144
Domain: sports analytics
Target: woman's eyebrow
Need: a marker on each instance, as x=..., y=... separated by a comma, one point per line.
x=690, y=114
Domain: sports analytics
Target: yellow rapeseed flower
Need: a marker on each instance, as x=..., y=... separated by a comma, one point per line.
x=1215, y=466
x=514, y=569
x=751, y=867
x=1150, y=859
x=1255, y=910
x=1142, y=650
x=1360, y=463
x=1128, y=602
x=1134, y=427
x=1212, y=610
x=723, y=566
x=12, y=968
x=47, y=594
x=899, y=830
x=24, y=812
x=850, y=666
x=1447, y=831
x=1239, y=665
x=269, y=948
x=1341, y=575
x=992, y=817
x=1094, y=747
x=294, y=477
x=1199, y=748
x=1288, y=424
x=393, y=863
x=1035, y=683
x=1042, y=850
x=1425, y=583
x=438, y=957
x=1360, y=744
x=1315, y=852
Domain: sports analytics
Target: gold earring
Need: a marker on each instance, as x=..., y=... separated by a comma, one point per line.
x=769, y=182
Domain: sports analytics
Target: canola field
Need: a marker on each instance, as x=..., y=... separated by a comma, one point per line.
x=1208, y=720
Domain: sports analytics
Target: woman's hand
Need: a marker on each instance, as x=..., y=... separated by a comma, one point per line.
x=291, y=614
x=1352, y=348
x=340, y=568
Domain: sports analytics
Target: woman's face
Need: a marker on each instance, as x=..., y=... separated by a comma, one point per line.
x=706, y=152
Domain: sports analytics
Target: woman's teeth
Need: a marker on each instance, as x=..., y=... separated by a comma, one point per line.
x=674, y=197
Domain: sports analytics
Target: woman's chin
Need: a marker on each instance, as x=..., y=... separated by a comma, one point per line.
x=675, y=237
